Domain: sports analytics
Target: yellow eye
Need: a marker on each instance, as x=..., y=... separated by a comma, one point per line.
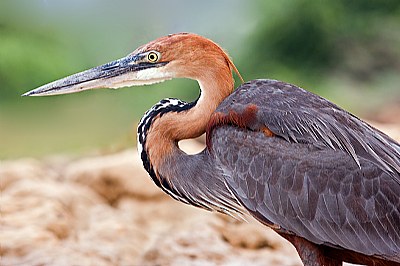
x=152, y=57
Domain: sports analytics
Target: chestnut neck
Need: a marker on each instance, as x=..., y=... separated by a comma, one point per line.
x=167, y=130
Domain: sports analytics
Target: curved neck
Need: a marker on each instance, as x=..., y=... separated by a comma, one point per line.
x=192, y=179
x=168, y=129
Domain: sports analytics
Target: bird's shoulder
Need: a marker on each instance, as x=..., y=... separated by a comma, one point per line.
x=274, y=94
x=296, y=115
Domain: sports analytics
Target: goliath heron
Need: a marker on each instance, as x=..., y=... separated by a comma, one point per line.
x=319, y=176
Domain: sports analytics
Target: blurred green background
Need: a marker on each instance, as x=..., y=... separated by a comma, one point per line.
x=347, y=51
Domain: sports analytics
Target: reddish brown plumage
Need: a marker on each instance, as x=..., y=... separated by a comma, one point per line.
x=311, y=253
x=267, y=131
x=192, y=56
x=246, y=119
x=195, y=57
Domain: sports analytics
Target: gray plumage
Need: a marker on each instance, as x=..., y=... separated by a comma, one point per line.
x=327, y=176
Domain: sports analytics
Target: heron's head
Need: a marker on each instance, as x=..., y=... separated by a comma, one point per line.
x=177, y=55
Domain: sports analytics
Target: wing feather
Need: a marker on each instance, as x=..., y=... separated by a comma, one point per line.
x=300, y=116
x=327, y=176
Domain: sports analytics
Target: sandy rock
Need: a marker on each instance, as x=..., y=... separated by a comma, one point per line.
x=252, y=236
x=247, y=235
x=105, y=210
x=196, y=245
x=388, y=114
x=56, y=255
x=39, y=213
x=111, y=236
x=114, y=176
x=160, y=218
x=393, y=130
x=198, y=242
x=12, y=171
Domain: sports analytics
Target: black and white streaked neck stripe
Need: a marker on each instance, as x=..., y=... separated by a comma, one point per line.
x=158, y=110
x=164, y=106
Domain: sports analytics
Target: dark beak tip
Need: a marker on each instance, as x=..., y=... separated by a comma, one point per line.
x=29, y=93
x=32, y=93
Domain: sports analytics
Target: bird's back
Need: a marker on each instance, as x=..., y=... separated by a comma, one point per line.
x=306, y=167
x=300, y=116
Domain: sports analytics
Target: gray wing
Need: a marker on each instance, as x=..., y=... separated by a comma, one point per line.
x=300, y=116
x=325, y=176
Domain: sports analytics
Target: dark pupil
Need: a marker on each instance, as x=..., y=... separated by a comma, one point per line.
x=152, y=57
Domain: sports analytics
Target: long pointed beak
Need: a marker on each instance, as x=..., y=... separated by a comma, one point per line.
x=119, y=73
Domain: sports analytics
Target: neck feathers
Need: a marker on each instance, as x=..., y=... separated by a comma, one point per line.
x=172, y=120
x=165, y=106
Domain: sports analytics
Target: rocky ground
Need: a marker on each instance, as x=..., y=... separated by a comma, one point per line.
x=105, y=210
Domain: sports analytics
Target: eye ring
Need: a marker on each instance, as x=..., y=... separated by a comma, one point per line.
x=153, y=57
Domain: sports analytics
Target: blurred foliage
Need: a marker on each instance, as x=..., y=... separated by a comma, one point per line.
x=345, y=50
x=359, y=38
x=28, y=56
